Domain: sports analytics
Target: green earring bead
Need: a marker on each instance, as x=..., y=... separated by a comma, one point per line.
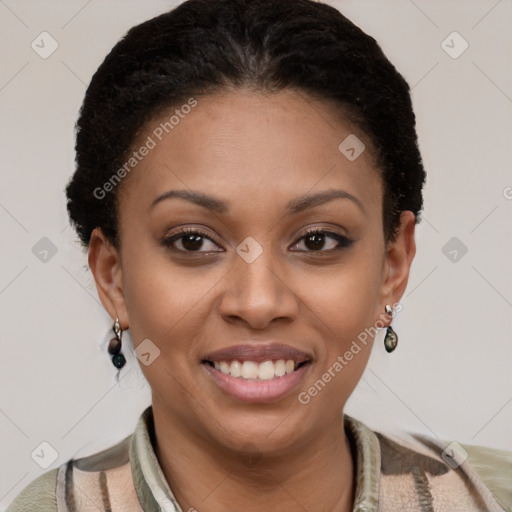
x=118, y=360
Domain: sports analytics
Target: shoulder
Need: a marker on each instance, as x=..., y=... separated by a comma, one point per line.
x=37, y=496
x=52, y=489
x=494, y=467
x=449, y=472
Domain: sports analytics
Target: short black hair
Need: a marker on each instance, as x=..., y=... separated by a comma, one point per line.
x=202, y=47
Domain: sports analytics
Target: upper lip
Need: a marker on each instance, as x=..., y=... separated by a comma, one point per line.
x=258, y=352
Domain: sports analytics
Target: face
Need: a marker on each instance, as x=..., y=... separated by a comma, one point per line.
x=247, y=235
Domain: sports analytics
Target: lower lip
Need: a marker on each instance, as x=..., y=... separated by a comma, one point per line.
x=258, y=391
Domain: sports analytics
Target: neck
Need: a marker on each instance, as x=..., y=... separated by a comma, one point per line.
x=318, y=475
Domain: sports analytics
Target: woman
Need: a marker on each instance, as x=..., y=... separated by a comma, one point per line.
x=248, y=183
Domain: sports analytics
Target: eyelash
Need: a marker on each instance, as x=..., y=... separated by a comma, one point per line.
x=343, y=241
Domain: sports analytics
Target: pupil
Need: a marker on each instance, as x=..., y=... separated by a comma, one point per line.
x=192, y=242
x=317, y=240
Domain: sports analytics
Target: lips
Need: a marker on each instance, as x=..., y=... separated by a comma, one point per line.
x=258, y=352
x=257, y=372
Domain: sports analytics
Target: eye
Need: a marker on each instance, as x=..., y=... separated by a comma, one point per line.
x=191, y=240
x=315, y=240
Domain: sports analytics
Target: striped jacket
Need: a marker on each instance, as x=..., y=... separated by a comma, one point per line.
x=406, y=473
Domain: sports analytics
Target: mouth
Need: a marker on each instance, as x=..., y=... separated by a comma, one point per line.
x=257, y=373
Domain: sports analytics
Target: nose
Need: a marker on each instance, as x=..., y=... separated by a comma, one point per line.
x=258, y=293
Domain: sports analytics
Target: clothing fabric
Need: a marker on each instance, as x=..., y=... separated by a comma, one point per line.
x=394, y=473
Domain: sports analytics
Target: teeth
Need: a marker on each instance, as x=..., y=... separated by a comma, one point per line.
x=266, y=370
x=251, y=370
x=280, y=368
x=235, y=369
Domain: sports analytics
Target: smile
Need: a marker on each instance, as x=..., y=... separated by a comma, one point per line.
x=257, y=372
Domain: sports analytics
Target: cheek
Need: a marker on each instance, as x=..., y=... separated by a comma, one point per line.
x=343, y=307
x=165, y=303
x=346, y=299
x=344, y=316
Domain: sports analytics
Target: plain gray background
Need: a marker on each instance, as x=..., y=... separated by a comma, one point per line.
x=450, y=376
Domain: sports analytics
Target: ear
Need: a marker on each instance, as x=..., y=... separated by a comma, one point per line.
x=105, y=264
x=398, y=259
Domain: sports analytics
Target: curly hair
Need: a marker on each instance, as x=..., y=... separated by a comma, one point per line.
x=206, y=46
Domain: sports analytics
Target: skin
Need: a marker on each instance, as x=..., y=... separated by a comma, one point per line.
x=255, y=152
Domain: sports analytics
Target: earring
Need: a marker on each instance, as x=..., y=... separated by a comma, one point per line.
x=391, y=339
x=114, y=347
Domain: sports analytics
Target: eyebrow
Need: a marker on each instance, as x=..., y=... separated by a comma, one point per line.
x=204, y=200
x=293, y=207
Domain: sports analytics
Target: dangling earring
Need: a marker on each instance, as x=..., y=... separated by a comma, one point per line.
x=114, y=347
x=391, y=339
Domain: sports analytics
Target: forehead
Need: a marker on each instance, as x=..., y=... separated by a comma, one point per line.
x=269, y=146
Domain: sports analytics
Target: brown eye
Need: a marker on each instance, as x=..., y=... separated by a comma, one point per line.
x=191, y=240
x=316, y=240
